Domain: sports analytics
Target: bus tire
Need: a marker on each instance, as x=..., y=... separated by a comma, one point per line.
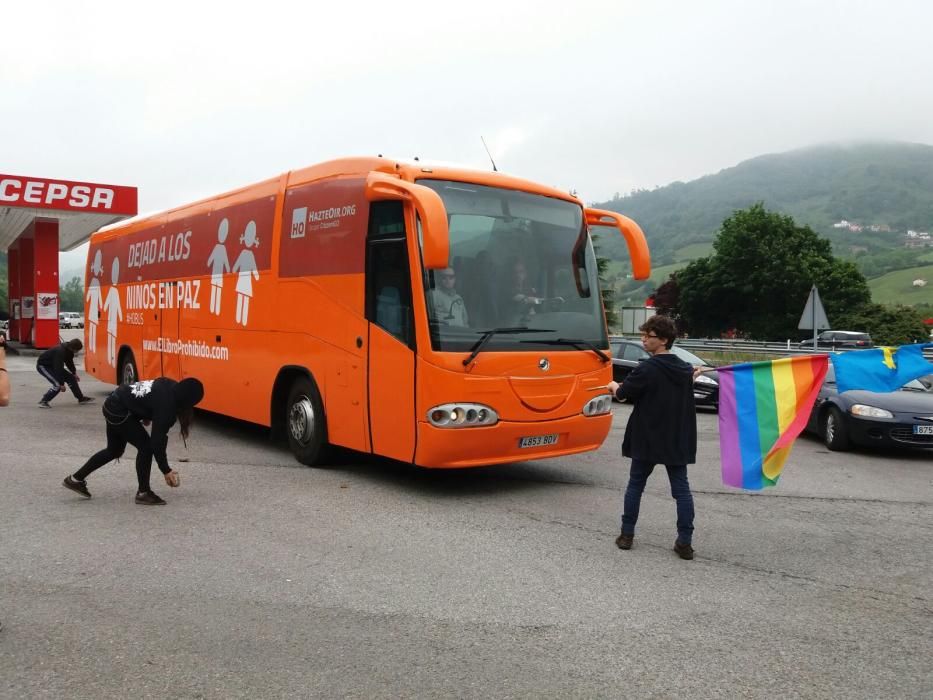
x=305, y=424
x=128, y=374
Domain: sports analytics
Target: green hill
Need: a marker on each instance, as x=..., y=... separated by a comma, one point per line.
x=888, y=184
x=897, y=287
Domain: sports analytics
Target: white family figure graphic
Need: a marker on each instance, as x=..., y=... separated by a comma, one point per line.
x=94, y=303
x=245, y=266
x=219, y=264
x=114, y=313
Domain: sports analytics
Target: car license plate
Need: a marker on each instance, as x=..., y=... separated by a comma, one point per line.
x=537, y=441
x=923, y=430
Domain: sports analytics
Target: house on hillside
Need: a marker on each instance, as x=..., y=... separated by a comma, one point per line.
x=917, y=239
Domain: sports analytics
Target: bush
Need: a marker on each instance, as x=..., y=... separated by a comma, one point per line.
x=897, y=325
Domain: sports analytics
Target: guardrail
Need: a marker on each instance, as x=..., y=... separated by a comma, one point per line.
x=787, y=348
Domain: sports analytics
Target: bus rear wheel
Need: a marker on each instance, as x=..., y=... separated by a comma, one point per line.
x=128, y=372
x=305, y=423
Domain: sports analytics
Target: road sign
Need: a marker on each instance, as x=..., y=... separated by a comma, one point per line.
x=814, y=316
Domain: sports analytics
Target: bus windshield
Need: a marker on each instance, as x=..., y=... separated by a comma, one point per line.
x=517, y=261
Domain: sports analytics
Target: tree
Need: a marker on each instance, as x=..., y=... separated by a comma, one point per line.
x=759, y=276
x=71, y=296
x=667, y=298
x=898, y=325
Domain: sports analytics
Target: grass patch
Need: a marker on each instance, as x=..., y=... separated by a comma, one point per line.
x=660, y=274
x=897, y=287
x=693, y=251
x=721, y=358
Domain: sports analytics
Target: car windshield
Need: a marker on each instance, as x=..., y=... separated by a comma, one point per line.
x=517, y=261
x=689, y=357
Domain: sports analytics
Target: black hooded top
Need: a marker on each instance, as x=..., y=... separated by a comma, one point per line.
x=158, y=400
x=57, y=359
x=663, y=426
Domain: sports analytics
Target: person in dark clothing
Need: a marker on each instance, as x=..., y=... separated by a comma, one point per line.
x=58, y=366
x=662, y=429
x=160, y=401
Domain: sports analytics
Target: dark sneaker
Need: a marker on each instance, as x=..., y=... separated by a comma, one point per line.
x=684, y=551
x=85, y=399
x=624, y=541
x=149, y=499
x=44, y=404
x=78, y=487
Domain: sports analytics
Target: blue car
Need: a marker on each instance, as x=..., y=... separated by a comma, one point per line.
x=902, y=418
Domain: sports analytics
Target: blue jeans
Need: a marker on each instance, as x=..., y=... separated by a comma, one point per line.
x=680, y=490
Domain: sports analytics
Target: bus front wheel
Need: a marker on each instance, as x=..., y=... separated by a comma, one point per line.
x=305, y=424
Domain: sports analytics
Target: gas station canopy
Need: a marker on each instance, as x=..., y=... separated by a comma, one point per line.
x=39, y=218
x=80, y=208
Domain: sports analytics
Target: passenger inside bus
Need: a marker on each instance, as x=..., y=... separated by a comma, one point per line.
x=476, y=276
x=519, y=296
x=449, y=307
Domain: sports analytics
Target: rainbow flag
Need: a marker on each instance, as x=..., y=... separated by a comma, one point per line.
x=763, y=406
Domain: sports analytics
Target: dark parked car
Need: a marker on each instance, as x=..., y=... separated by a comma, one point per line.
x=626, y=354
x=902, y=418
x=833, y=340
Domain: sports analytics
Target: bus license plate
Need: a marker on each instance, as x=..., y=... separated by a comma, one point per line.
x=537, y=441
x=923, y=430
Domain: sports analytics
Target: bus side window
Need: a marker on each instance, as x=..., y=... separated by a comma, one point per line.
x=388, y=282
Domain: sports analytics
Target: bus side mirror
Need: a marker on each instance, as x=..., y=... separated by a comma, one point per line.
x=634, y=238
x=435, y=236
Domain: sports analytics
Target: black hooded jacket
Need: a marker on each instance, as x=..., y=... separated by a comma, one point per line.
x=158, y=400
x=58, y=359
x=663, y=426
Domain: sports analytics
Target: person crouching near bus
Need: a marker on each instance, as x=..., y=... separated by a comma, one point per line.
x=57, y=365
x=162, y=402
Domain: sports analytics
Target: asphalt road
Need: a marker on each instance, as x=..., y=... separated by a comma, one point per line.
x=371, y=579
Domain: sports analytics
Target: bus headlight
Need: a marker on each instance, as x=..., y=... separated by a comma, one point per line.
x=598, y=406
x=462, y=415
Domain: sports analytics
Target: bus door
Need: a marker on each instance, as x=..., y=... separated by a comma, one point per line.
x=170, y=317
x=391, y=356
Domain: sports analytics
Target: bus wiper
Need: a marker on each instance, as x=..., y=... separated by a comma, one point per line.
x=575, y=342
x=478, y=345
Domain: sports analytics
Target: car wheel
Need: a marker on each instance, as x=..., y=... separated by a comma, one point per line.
x=128, y=373
x=834, y=430
x=305, y=423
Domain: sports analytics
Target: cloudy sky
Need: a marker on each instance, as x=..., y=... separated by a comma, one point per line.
x=188, y=99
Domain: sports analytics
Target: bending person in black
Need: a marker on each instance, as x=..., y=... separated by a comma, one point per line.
x=57, y=365
x=160, y=401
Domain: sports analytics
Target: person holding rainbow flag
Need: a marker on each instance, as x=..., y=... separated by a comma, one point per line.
x=662, y=429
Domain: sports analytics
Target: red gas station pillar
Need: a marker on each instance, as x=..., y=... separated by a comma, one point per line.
x=27, y=285
x=46, y=284
x=13, y=290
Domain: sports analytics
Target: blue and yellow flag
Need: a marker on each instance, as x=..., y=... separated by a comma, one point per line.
x=881, y=369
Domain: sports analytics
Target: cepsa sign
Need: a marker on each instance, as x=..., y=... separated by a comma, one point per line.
x=39, y=193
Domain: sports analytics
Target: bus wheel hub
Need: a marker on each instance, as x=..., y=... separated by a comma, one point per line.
x=301, y=420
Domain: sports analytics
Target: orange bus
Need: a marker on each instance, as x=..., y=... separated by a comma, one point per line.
x=439, y=316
